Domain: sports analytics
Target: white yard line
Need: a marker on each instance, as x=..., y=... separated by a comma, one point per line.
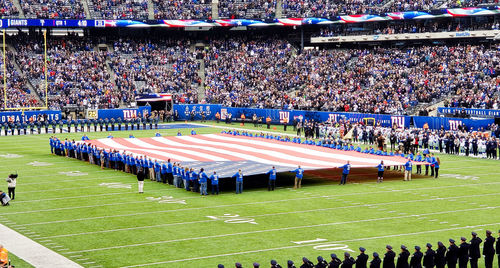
x=32, y=252
x=266, y=215
x=238, y=204
x=278, y=229
x=308, y=245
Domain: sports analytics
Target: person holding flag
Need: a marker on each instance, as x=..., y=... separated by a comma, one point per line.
x=346, y=169
x=239, y=181
x=380, y=174
x=408, y=169
x=299, y=173
x=214, y=180
x=272, y=179
x=203, y=178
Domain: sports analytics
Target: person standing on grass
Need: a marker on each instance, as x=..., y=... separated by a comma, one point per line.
x=435, y=166
x=452, y=254
x=140, y=180
x=389, y=258
x=299, y=173
x=272, y=179
x=170, y=175
x=11, y=185
x=403, y=258
x=408, y=169
x=345, y=171
x=439, y=258
x=488, y=249
x=376, y=261
x=214, y=180
x=239, y=181
x=203, y=178
x=362, y=258
x=380, y=173
x=463, y=253
x=429, y=256
x=474, y=251
x=416, y=258
x=498, y=248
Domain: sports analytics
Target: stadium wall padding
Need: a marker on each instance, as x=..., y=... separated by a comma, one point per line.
x=278, y=116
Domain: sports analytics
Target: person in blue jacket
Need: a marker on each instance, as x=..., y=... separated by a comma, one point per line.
x=345, y=171
x=408, y=169
x=193, y=132
x=299, y=173
x=193, y=179
x=380, y=175
x=214, y=180
x=418, y=158
x=157, y=134
x=272, y=179
x=203, y=179
x=239, y=181
x=436, y=164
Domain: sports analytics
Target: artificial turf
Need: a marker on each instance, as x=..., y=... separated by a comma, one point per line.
x=82, y=212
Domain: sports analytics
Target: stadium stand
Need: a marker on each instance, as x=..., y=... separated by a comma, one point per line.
x=119, y=9
x=8, y=9
x=184, y=9
x=265, y=9
x=53, y=9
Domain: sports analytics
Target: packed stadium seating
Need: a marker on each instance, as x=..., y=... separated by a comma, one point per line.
x=68, y=9
x=185, y=9
x=8, y=9
x=17, y=89
x=119, y=9
x=247, y=9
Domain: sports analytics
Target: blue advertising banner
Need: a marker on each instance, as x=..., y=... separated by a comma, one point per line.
x=451, y=123
x=471, y=112
x=19, y=117
x=123, y=113
x=185, y=110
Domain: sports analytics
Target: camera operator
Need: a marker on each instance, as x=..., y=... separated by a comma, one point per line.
x=11, y=184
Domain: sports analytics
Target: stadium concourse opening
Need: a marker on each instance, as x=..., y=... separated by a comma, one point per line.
x=254, y=155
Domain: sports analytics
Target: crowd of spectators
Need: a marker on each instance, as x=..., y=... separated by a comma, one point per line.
x=8, y=9
x=231, y=9
x=411, y=27
x=53, y=9
x=120, y=9
x=146, y=66
x=76, y=73
x=18, y=93
x=269, y=74
x=182, y=9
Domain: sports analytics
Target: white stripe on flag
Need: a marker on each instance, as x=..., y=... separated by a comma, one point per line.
x=111, y=143
x=144, y=144
x=270, y=153
x=223, y=151
x=305, y=150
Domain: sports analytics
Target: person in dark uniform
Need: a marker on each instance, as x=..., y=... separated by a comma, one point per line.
x=362, y=258
x=474, y=251
x=452, y=254
x=463, y=253
x=403, y=258
x=439, y=258
x=498, y=248
x=488, y=250
x=306, y=263
x=321, y=263
x=290, y=264
x=348, y=261
x=376, y=261
x=429, y=256
x=335, y=262
x=274, y=264
x=416, y=258
x=389, y=258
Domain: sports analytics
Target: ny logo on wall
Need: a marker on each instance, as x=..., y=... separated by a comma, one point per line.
x=284, y=116
x=454, y=124
x=398, y=121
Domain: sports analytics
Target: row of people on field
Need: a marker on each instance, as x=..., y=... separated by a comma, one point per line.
x=464, y=254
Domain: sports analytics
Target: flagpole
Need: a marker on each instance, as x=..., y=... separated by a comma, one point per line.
x=45, y=67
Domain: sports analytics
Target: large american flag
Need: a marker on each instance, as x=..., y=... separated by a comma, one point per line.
x=226, y=153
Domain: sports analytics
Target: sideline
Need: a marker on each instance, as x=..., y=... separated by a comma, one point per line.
x=32, y=252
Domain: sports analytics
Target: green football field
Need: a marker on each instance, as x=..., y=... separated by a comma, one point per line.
x=96, y=217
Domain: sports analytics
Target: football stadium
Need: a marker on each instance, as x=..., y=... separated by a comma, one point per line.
x=250, y=133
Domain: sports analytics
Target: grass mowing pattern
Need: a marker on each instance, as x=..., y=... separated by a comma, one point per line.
x=116, y=227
